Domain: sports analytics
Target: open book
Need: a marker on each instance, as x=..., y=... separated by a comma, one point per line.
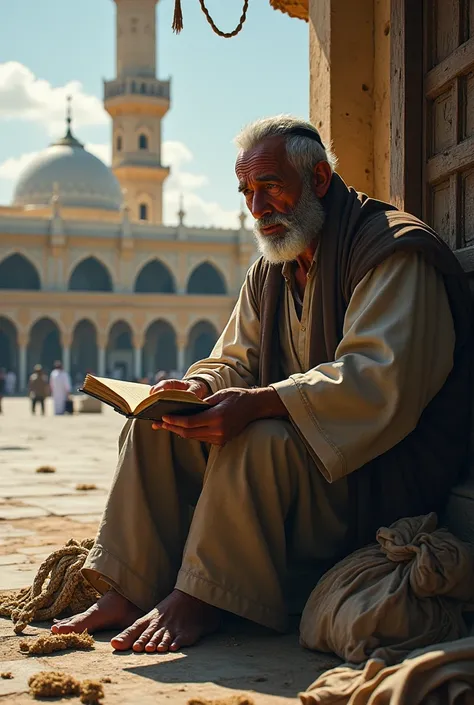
x=135, y=401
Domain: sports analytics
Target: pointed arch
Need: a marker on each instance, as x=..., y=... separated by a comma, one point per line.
x=160, y=349
x=155, y=278
x=44, y=345
x=201, y=339
x=206, y=279
x=8, y=344
x=17, y=272
x=90, y=275
x=84, y=350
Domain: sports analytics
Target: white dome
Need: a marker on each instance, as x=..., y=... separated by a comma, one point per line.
x=74, y=174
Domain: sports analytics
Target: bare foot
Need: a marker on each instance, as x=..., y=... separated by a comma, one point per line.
x=111, y=611
x=180, y=620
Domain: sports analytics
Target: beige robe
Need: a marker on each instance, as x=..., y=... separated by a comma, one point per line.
x=267, y=503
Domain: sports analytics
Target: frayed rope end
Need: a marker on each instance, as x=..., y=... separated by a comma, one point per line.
x=177, y=25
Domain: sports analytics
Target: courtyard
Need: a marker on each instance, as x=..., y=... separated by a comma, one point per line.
x=40, y=512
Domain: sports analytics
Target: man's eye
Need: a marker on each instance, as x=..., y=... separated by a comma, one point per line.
x=272, y=187
x=247, y=192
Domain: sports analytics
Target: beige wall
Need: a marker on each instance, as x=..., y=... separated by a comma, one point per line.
x=350, y=87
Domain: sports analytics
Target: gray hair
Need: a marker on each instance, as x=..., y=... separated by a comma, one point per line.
x=303, y=152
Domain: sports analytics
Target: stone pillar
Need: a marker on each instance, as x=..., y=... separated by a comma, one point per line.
x=341, y=34
x=22, y=363
x=66, y=341
x=138, y=343
x=181, y=344
x=101, y=361
x=137, y=362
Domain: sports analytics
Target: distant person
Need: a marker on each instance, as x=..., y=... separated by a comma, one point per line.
x=160, y=376
x=2, y=387
x=38, y=388
x=60, y=384
x=10, y=383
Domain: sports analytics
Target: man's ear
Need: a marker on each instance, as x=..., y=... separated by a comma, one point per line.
x=322, y=175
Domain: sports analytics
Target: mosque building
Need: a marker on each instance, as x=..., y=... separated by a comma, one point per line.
x=88, y=272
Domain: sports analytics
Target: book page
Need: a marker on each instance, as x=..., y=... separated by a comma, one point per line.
x=132, y=392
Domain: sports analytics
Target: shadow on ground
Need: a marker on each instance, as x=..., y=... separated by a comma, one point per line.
x=240, y=658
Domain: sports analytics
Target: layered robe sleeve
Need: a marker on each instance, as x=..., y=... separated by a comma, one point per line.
x=395, y=355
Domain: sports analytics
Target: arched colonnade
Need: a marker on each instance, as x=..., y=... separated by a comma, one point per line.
x=18, y=272
x=119, y=351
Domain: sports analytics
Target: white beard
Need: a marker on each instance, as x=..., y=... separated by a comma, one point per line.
x=303, y=225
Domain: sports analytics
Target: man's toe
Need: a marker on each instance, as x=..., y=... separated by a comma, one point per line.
x=179, y=641
x=142, y=642
x=164, y=643
x=126, y=639
x=65, y=627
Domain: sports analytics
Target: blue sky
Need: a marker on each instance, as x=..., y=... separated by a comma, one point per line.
x=49, y=48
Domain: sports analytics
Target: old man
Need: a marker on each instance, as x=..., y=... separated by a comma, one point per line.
x=339, y=393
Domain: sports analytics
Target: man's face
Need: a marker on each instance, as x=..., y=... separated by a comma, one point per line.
x=288, y=215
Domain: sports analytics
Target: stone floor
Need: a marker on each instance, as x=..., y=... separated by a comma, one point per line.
x=39, y=512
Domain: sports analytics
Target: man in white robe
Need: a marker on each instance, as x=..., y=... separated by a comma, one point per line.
x=60, y=384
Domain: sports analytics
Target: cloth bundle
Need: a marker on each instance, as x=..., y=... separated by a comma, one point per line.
x=404, y=592
x=442, y=674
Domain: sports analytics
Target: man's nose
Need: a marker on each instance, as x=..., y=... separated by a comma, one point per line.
x=260, y=205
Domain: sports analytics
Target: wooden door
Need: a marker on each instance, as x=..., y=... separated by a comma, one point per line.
x=432, y=144
x=448, y=116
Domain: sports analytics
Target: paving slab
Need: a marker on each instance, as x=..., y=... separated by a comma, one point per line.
x=86, y=518
x=14, y=559
x=46, y=488
x=9, y=531
x=13, y=577
x=21, y=672
x=80, y=503
x=28, y=511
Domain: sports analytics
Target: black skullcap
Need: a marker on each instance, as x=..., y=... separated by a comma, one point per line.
x=302, y=132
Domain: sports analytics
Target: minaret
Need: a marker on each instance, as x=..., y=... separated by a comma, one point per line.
x=137, y=101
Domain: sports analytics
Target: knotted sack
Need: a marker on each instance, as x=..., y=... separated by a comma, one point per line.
x=404, y=592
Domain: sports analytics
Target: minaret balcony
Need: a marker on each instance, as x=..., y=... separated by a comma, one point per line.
x=136, y=87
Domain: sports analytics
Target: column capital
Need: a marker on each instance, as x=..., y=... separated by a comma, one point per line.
x=181, y=340
x=138, y=340
x=23, y=338
x=102, y=339
x=66, y=338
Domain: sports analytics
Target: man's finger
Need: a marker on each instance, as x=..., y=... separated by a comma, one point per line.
x=196, y=434
x=203, y=419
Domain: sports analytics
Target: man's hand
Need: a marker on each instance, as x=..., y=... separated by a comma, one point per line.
x=200, y=389
x=233, y=409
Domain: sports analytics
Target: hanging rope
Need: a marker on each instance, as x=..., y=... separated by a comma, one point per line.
x=58, y=586
x=178, y=19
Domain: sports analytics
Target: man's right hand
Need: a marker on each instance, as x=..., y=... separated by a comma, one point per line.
x=200, y=389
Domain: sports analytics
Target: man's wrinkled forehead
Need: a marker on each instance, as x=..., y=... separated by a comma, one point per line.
x=269, y=156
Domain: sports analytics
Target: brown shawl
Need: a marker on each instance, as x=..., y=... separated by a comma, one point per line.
x=359, y=233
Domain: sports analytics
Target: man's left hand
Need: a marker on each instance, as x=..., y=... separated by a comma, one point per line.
x=232, y=410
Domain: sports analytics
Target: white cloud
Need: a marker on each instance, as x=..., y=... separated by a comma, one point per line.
x=11, y=168
x=184, y=183
x=24, y=96
x=102, y=151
